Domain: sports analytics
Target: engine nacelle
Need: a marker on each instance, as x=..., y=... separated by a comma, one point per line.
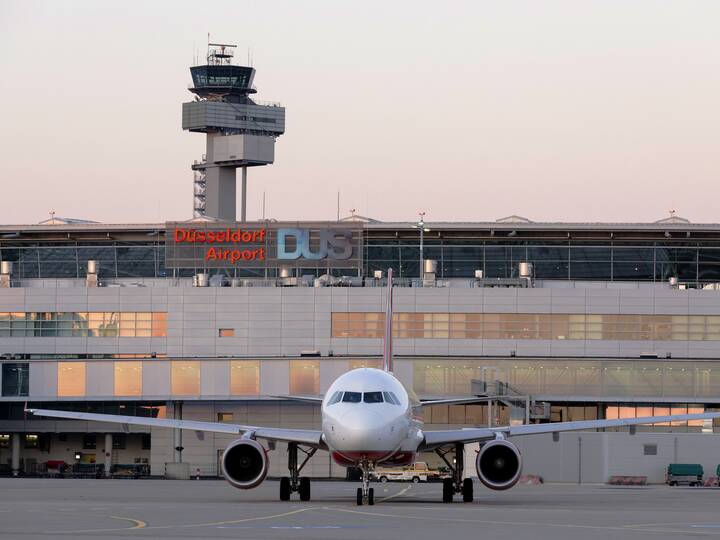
x=499, y=464
x=245, y=464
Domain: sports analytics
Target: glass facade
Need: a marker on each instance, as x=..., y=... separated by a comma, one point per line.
x=15, y=379
x=305, y=377
x=185, y=378
x=245, y=377
x=71, y=379
x=529, y=326
x=639, y=411
x=83, y=324
x=697, y=261
x=69, y=260
x=693, y=261
x=128, y=379
x=562, y=377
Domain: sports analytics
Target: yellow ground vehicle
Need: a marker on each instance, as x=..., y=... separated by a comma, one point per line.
x=419, y=472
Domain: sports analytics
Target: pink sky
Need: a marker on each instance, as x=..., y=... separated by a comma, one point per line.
x=556, y=110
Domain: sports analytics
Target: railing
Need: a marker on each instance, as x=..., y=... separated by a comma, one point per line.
x=312, y=281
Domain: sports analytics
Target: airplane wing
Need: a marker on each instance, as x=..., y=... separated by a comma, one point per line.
x=435, y=439
x=304, y=399
x=309, y=437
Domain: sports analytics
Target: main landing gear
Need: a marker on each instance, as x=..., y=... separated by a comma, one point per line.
x=295, y=482
x=456, y=484
x=365, y=493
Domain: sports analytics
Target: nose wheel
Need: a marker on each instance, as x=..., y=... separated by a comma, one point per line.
x=295, y=482
x=365, y=494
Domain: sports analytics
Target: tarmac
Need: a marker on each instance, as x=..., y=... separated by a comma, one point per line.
x=33, y=508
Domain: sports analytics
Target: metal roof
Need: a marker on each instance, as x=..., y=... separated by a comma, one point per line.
x=395, y=225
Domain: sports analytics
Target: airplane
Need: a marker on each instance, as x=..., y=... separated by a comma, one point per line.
x=370, y=419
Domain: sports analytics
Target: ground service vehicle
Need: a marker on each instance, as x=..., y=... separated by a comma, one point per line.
x=690, y=474
x=418, y=472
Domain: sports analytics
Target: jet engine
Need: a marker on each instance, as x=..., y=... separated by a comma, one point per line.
x=499, y=464
x=245, y=463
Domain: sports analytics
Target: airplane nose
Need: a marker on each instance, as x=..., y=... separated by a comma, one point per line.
x=368, y=430
x=363, y=419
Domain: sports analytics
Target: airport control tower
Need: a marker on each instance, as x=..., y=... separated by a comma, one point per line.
x=240, y=132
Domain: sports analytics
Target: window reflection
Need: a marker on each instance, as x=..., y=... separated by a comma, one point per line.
x=185, y=378
x=305, y=377
x=128, y=378
x=549, y=376
x=529, y=326
x=83, y=324
x=71, y=379
x=245, y=377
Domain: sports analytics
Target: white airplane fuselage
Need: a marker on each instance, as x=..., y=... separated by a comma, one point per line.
x=367, y=415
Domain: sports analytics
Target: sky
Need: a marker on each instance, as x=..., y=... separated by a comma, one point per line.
x=556, y=110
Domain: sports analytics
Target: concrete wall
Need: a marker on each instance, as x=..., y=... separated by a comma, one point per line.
x=283, y=321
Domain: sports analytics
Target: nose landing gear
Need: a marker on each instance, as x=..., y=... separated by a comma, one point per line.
x=365, y=493
x=294, y=482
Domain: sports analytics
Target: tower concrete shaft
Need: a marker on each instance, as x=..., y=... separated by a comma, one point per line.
x=240, y=132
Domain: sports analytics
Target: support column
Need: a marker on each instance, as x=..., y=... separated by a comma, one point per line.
x=108, y=453
x=177, y=433
x=243, y=200
x=15, y=461
x=220, y=193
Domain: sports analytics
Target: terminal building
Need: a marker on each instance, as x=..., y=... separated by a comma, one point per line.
x=212, y=318
x=571, y=321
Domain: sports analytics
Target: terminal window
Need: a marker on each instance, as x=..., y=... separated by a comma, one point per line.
x=305, y=377
x=185, y=378
x=89, y=441
x=579, y=377
x=32, y=441
x=529, y=326
x=71, y=379
x=83, y=324
x=244, y=377
x=128, y=379
x=226, y=332
x=15, y=379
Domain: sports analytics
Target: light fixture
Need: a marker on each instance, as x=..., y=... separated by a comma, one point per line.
x=423, y=229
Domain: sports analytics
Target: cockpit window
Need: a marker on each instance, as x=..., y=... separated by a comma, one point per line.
x=373, y=397
x=352, y=397
x=391, y=398
x=337, y=396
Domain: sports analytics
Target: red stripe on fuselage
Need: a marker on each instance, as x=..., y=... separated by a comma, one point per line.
x=350, y=459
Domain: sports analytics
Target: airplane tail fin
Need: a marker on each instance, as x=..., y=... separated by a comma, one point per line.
x=387, y=341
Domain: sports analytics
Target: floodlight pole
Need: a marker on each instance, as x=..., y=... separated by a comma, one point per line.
x=421, y=226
